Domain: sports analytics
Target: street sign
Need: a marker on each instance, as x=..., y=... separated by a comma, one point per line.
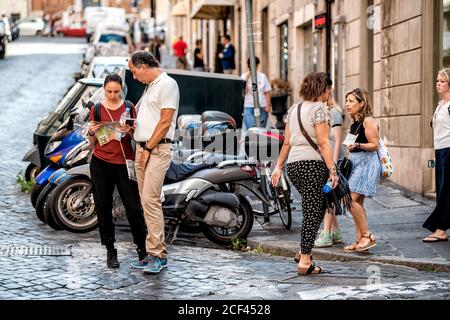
x=320, y=21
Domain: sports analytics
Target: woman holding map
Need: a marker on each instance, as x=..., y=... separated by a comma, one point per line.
x=112, y=150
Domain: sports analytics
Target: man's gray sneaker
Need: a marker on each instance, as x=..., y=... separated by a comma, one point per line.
x=142, y=263
x=154, y=265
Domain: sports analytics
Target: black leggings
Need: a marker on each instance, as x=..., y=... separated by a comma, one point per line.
x=105, y=176
x=309, y=178
x=440, y=217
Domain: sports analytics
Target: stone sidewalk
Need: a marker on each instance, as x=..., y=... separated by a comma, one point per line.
x=395, y=217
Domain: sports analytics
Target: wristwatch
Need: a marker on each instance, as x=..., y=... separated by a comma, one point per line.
x=146, y=149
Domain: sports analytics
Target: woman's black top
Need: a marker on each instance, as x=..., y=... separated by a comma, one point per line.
x=357, y=128
x=198, y=63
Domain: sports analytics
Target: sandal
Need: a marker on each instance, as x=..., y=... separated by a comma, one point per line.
x=434, y=239
x=311, y=270
x=297, y=257
x=372, y=243
x=351, y=248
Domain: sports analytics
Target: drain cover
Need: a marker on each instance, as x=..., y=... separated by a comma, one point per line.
x=34, y=251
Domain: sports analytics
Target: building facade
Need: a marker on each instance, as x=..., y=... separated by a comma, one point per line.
x=393, y=48
x=17, y=9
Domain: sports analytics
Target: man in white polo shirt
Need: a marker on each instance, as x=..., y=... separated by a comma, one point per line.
x=154, y=132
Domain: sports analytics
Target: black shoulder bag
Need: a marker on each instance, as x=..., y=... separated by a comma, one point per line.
x=346, y=165
x=339, y=198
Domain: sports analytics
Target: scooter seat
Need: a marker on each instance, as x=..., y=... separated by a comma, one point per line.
x=180, y=171
x=218, y=116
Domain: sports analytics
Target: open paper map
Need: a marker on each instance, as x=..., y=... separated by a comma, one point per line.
x=109, y=131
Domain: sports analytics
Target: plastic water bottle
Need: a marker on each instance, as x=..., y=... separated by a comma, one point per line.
x=327, y=187
x=123, y=118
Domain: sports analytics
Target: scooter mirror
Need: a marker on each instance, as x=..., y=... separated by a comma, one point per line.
x=89, y=104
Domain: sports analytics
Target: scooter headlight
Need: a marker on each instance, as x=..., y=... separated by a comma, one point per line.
x=52, y=146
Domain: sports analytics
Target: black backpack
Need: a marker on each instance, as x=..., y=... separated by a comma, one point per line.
x=98, y=105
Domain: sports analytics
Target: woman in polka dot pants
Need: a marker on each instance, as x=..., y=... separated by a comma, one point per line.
x=306, y=168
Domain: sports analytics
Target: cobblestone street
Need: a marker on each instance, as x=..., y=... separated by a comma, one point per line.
x=37, y=262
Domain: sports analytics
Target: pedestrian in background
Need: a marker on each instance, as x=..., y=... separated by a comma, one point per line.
x=308, y=170
x=155, y=48
x=218, y=61
x=108, y=170
x=155, y=130
x=264, y=89
x=180, y=50
x=331, y=234
x=439, y=220
x=366, y=166
x=228, y=55
x=199, y=64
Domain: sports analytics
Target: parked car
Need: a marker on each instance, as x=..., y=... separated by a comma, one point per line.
x=102, y=66
x=73, y=30
x=96, y=15
x=31, y=26
x=109, y=40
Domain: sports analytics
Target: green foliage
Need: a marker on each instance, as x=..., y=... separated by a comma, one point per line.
x=25, y=186
x=258, y=249
x=237, y=244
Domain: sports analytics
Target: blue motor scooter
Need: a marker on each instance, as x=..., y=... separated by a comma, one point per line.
x=56, y=151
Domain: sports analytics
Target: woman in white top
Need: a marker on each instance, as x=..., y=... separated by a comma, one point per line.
x=439, y=220
x=306, y=168
x=331, y=233
x=264, y=89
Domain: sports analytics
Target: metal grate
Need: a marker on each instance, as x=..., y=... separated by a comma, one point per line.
x=34, y=251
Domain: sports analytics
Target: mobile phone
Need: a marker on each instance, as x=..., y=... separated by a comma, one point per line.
x=129, y=122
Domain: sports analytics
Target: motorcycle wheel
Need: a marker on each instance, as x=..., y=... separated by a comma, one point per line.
x=224, y=236
x=79, y=219
x=35, y=192
x=31, y=172
x=52, y=222
x=283, y=205
x=42, y=205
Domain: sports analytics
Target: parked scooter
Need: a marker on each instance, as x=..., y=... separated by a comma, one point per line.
x=261, y=147
x=213, y=198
